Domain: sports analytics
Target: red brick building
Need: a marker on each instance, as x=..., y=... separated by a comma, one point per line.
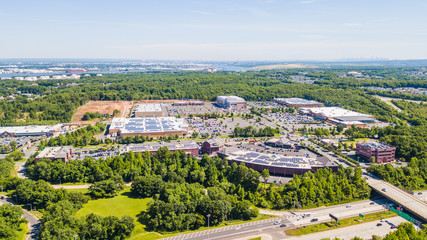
x=382, y=152
x=212, y=146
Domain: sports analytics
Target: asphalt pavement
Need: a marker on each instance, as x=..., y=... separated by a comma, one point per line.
x=33, y=222
x=292, y=219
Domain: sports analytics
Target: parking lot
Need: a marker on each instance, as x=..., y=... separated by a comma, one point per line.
x=200, y=109
x=225, y=126
x=95, y=153
x=20, y=141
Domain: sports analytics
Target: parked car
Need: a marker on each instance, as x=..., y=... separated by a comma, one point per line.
x=384, y=190
x=393, y=227
x=283, y=225
x=348, y=206
x=379, y=224
x=419, y=193
x=372, y=203
x=314, y=220
x=276, y=223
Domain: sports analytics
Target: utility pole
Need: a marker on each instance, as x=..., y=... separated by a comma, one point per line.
x=208, y=223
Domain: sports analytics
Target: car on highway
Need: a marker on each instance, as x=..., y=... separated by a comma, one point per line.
x=348, y=206
x=379, y=224
x=419, y=193
x=372, y=203
x=283, y=225
x=276, y=223
x=314, y=220
x=384, y=190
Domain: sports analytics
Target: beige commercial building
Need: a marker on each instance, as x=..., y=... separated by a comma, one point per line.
x=149, y=110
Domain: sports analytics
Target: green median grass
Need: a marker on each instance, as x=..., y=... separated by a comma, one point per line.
x=341, y=223
x=22, y=233
x=126, y=204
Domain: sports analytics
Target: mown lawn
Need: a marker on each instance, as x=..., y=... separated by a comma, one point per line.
x=125, y=204
x=22, y=233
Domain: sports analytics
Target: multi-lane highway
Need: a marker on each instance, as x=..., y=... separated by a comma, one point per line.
x=408, y=201
x=291, y=219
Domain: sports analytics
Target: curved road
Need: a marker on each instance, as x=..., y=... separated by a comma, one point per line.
x=33, y=221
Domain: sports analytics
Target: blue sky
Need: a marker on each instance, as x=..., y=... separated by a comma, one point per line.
x=214, y=30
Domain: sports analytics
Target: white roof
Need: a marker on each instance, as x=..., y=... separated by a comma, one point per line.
x=30, y=129
x=149, y=107
x=149, y=125
x=334, y=112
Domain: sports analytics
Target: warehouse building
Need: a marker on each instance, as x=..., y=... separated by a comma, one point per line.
x=297, y=102
x=148, y=110
x=63, y=153
x=341, y=116
x=33, y=130
x=152, y=127
x=380, y=151
x=188, y=103
x=278, y=164
x=231, y=102
x=188, y=146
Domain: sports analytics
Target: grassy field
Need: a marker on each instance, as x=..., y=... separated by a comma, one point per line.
x=125, y=204
x=341, y=223
x=356, y=140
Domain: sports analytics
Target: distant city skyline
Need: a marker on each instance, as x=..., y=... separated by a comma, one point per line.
x=272, y=30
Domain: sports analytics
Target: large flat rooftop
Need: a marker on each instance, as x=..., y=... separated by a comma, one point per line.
x=375, y=145
x=154, y=146
x=148, y=125
x=149, y=107
x=231, y=99
x=337, y=112
x=297, y=102
x=30, y=130
x=273, y=160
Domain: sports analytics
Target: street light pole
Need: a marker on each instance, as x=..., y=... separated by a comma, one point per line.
x=31, y=206
x=208, y=223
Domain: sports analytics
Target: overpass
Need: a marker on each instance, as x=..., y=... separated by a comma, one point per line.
x=399, y=196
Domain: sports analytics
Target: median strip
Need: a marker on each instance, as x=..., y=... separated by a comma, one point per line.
x=341, y=223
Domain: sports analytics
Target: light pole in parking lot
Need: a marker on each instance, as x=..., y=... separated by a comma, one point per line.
x=208, y=223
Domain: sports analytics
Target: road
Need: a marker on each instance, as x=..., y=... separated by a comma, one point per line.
x=33, y=222
x=21, y=169
x=363, y=230
x=408, y=201
x=285, y=217
x=58, y=186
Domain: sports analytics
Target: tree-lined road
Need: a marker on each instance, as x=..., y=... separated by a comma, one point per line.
x=33, y=222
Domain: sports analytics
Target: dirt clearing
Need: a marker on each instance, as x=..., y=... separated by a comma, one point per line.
x=102, y=107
